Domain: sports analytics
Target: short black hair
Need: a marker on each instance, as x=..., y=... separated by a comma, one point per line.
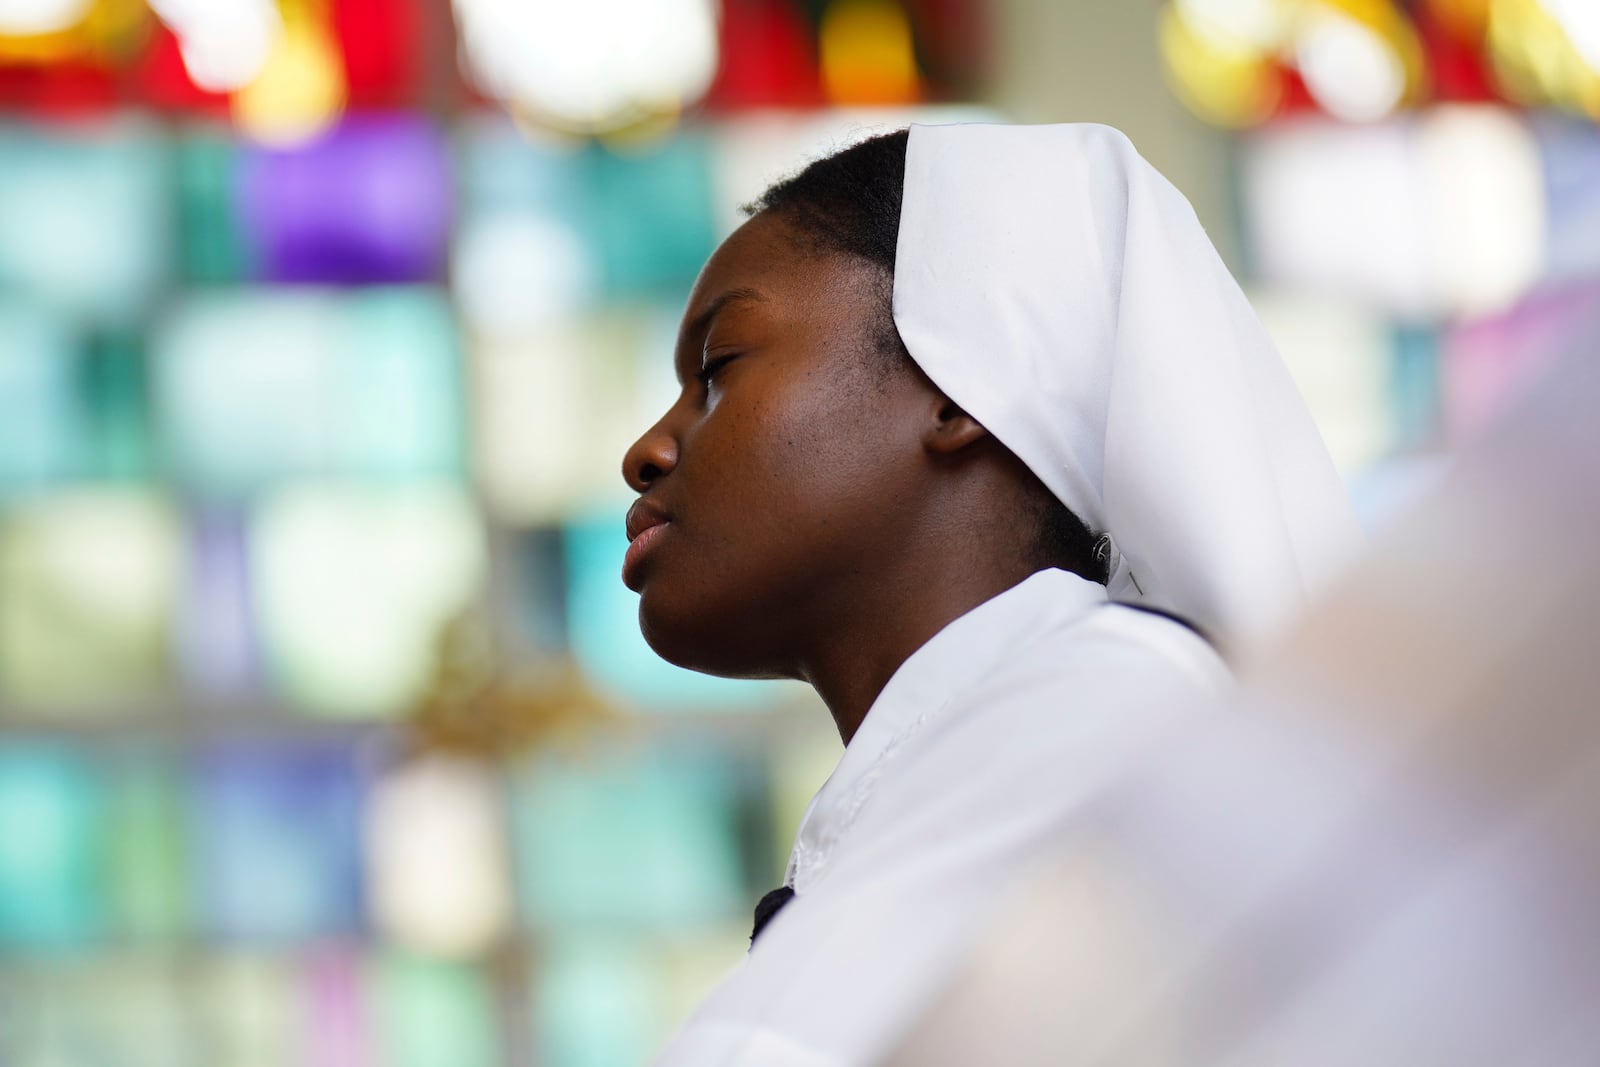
x=848, y=203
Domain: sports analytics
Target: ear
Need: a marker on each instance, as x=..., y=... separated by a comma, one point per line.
x=951, y=429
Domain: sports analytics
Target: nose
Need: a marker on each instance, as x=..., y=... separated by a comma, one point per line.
x=651, y=456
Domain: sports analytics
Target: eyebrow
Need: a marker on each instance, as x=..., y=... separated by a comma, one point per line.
x=741, y=295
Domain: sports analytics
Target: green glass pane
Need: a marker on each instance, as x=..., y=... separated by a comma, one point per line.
x=249, y=1011
x=113, y=1010
x=88, y=586
x=634, y=840
x=354, y=590
x=52, y=876
x=432, y=1014
x=145, y=860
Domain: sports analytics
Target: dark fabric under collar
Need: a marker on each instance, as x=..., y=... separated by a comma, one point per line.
x=769, y=906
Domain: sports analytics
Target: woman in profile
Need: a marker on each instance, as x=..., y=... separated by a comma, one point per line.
x=978, y=437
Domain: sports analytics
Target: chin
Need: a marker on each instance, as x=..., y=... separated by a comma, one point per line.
x=702, y=640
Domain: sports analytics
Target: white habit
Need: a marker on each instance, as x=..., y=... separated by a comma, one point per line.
x=990, y=737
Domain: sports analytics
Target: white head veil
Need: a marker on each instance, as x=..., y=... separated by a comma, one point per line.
x=1051, y=282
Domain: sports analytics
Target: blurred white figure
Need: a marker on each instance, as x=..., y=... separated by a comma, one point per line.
x=1388, y=854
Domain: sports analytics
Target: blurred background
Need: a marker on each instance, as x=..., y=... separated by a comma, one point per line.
x=326, y=733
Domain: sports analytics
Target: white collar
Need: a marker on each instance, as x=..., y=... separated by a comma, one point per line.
x=947, y=665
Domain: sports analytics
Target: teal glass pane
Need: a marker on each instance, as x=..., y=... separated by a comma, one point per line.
x=524, y=254
x=42, y=422
x=261, y=387
x=502, y=169
x=247, y=388
x=432, y=1014
x=399, y=394
x=112, y=378
x=1416, y=386
x=52, y=875
x=88, y=594
x=597, y=1003
x=603, y=628
x=627, y=840
x=212, y=248
x=651, y=215
x=85, y=219
x=146, y=866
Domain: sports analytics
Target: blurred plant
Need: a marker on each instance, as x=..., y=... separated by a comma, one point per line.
x=475, y=705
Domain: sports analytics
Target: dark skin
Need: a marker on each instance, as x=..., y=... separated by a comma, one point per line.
x=827, y=510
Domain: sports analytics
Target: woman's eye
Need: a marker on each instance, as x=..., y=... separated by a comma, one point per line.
x=708, y=373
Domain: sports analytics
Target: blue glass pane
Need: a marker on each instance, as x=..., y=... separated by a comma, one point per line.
x=275, y=843
x=52, y=875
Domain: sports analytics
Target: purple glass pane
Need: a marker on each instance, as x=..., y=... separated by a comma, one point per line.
x=369, y=202
x=216, y=635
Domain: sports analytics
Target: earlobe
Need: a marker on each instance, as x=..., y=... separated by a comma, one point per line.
x=952, y=429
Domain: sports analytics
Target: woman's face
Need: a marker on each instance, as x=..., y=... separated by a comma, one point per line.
x=769, y=489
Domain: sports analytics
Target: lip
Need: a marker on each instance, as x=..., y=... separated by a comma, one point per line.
x=645, y=526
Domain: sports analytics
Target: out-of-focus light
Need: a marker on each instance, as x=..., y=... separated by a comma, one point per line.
x=225, y=43
x=300, y=90
x=1581, y=20
x=1236, y=25
x=438, y=873
x=356, y=587
x=1339, y=209
x=590, y=67
x=1426, y=220
x=867, y=53
x=1540, y=58
x=1486, y=204
x=26, y=18
x=1351, y=69
x=1223, y=84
